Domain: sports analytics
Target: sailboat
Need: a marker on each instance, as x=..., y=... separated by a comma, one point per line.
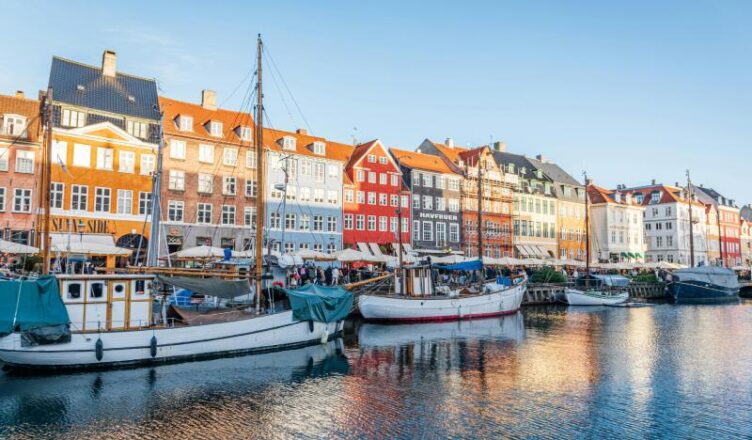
x=702, y=283
x=110, y=320
x=590, y=290
x=416, y=298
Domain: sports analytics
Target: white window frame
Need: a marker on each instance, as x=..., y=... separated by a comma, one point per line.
x=124, y=201
x=127, y=162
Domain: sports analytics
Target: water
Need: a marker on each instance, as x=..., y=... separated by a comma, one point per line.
x=654, y=372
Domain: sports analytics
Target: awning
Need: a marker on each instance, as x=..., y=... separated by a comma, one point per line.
x=524, y=252
x=465, y=265
x=364, y=248
x=631, y=255
x=17, y=248
x=375, y=249
x=209, y=286
x=91, y=244
x=624, y=254
x=200, y=252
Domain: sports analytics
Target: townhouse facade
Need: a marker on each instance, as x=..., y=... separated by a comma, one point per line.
x=616, y=226
x=570, y=216
x=208, y=188
x=20, y=158
x=534, y=207
x=304, y=196
x=436, y=200
x=666, y=222
x=375, y=198
x=745, y=238
x=105, y=140
x=725, y=218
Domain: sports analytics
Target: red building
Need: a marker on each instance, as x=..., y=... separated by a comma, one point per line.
x=727, y=224
x=373, y=193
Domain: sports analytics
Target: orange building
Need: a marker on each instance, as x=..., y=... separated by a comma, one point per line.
x=105, y=141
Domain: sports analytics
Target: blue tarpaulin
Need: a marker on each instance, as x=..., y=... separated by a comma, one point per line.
x=465, y=265
x=319, y=303
x=35, y=308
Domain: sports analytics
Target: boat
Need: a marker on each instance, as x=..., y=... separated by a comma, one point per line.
x=702, y=283
x=112, y=320
x=591, y=289
x=416, y=298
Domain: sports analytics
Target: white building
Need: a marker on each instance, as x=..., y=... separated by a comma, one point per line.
x=667, y=224
x=616, y=228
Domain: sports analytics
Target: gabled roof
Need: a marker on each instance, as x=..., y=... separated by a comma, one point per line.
x=359, y=151
x=303, y=141
x=555, y=172
x=709, y=195
x=451, y=153
x=122, y=94
x=230, y=120
x=28, y=108
x=420, y=161
x=599, y=195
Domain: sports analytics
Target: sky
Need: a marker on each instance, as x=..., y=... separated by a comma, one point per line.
x=628, y=91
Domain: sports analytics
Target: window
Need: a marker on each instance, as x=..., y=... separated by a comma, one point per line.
x=454, y=232
x=405, y=225
x=371, y=158
x=205, y=183
x=318, y=222
x=382, y=223
x=148, y=164
x=206, y=153
x=361, y=197
x=440, y=204
x=203, y=241
x=144, y=203
x=290, y=221
x=427, y=231
x=57, y=192
x=102, y=199
x=332, y=171
x=82, y=155
x=175, y=210
x=361, y=176
x=360, y=222
x=319, y=148
x=215, y=128
x=319, y=170
x=185, y=123
x=13, y=125
x=371, y=177
x=177, y=180
x=395, y=180
x=59, y=154
x=394, y=200
x=250, y=188
x=229, y=185
x=249, y=217
x=318, y=196
x=250, y=159
x=24, y=161
x=127, y=162
x=427, y=180
x=416, y=202
x=416, y=229
x=305, y=222
x=382, y=179
x=371, y=198
x=79, y=197
x=331, y=248
x=440, y=233
x=230, y=156
x=137, y=129
x=428, y=202
x=405, y=201
x=177, y=149
x=348, y=221
x=669, y=241
x=453, y=184
x=371, y=222
x=454, y=205
x=204, y=213
x=245, y=133
x=288, y=143
x=349, y=196
x=22, y=200
x=331, y=224
x=124, y=201
x=331, y=197
x=228, y=214
x=318, y=247
x=73, y=118
x=393, y=224
x=655, y=197
x=382, y=160
x=383, y=199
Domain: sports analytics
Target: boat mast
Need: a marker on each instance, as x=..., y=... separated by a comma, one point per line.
x=587, y=231
x=46, y=185
x=260, y=187
x=691, y=227
x=480, y=220
x=399, y=236
x=152, y=253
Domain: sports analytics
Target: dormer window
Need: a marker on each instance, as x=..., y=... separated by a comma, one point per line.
x=80, y=88
x=185, y=123
x=523, y=170
x=14, y=125
x=655, y=197
x=215, y=128
x=319, y=148
x=73, y=118
x=510, y=168
x=244, y=133
x=288, y=143
x=539, y=173
x=639, y=198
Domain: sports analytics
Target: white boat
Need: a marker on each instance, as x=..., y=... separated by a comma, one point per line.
x=494, y=300
x=577, y=297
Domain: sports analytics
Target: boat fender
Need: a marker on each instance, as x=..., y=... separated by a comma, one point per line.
x=99, y=349
x=325, y=336
x=310, y=325
x=153, y=346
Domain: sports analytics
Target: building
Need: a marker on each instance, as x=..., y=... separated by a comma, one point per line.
x=725, y=218
x=497, y=184
x=436, y=196
x=616, y=228
x=534, y=209
x=105, y=140
x=570, y=217
x=20, y=148
x=666, y=223
x=304, y=196
x=375, y=197
x=745, y=238
x=208, y=191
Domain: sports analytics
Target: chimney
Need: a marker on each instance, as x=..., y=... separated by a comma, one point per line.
x=541, y=158
x=500, y=146
x=449, y=142
x=301, y=131
x=209, y=99
x=652, y=182
x=20, y=94
x=109, y=63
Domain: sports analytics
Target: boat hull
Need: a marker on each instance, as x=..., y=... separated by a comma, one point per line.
x=156, y=346
x=422, y=309
x=699, y=291
x=581, y=298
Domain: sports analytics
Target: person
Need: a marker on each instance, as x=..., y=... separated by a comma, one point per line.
x=335, y=276
x=575, y=274
x=328, y=276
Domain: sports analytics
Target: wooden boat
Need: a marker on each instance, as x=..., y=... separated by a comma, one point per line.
x=594, y=297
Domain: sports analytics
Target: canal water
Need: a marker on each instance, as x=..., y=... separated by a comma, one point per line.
x=653, y=372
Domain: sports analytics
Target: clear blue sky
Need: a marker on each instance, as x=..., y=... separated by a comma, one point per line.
x=630, y=92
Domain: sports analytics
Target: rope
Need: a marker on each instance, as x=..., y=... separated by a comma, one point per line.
x=18, y=302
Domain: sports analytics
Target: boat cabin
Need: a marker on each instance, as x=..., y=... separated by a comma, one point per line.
x=108, y=301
